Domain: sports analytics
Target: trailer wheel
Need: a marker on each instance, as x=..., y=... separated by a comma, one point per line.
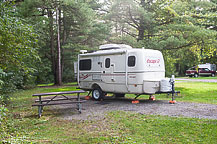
x=196, y=75
x=117, y=95
x=213, y=75
x=97, y=94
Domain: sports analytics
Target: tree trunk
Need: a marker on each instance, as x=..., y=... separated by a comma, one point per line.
x=52, y=52
x=141, y=27
x=59, y=69
x=64, y=35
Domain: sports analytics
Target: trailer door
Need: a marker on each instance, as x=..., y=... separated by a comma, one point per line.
x=107, y=74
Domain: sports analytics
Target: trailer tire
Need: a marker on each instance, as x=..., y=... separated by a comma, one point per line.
x=118, y=95
x=98, y=94
x=213, y=75
x=196, y=75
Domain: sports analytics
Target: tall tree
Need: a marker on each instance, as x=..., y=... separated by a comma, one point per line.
x=79, y=28
x=169, y=26
x=59, y=69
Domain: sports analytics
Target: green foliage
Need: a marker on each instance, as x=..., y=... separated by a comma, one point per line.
x=176, y=28
x=81, y=28
x=169, y=64
x=3, y=121
x=18, y=52
x=8, y=127
x=2, y=75
x=17, y=41
x=185, y=31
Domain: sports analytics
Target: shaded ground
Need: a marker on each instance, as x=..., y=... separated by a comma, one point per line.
x=97, y=109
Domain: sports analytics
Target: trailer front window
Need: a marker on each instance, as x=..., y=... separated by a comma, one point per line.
x=85, y=64
x=131, y=61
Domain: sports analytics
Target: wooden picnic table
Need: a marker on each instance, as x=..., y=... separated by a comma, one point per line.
x=64, y=97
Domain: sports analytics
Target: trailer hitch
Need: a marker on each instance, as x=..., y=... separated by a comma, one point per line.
x=172, y=81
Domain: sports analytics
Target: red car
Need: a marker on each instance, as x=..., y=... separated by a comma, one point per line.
x=200, y=72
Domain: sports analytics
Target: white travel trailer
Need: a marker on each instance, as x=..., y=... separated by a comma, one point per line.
x=211, y=67
x=121, y=69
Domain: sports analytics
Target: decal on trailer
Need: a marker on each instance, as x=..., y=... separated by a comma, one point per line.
x=153, y=61
x=84, y=76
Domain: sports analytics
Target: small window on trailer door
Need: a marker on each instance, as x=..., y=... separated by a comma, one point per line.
x=85, y=64
x=107, y=62
x=131, y=61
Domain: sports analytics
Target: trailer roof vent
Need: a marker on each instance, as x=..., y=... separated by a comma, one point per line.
x=114, y=46
x=83, y=51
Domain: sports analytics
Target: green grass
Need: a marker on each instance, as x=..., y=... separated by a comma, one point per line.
x=138, y=128
x=199, y=92
x=41, y=85
x=200, y=77
x=116, y=127
x=51, y=84
x=24, y=97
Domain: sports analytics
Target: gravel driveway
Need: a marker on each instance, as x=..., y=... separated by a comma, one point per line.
x=97, y=109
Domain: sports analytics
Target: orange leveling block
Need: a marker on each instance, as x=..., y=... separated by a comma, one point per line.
x=172, y=101
x=135, y=101
x=152, y=97
x=87, y=97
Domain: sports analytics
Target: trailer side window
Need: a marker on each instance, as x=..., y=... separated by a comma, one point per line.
x=131, y=61
x=85, y=64
x=107, y=62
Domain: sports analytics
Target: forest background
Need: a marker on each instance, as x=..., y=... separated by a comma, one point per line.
x=40, y=39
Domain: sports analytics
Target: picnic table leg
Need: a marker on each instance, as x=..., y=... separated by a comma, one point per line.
x=79, y=103
x=40, y=108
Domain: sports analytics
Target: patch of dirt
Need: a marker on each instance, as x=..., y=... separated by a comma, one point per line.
x=95, y=110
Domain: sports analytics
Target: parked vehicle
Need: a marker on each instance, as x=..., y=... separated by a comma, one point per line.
x=121, y=69
x=202, y=70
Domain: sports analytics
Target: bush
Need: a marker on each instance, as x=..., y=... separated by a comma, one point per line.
x=3, y=121
x=11, y=81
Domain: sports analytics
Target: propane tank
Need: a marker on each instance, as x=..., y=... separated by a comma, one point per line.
x=165, y=85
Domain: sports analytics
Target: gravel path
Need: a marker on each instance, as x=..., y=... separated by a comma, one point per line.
x=97, y=109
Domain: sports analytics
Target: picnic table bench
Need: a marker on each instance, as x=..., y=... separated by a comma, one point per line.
x=64, y=97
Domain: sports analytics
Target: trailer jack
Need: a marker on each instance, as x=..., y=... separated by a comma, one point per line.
x=135, y=101
x=172, y=81
x=88, y=96
x=137, y=96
